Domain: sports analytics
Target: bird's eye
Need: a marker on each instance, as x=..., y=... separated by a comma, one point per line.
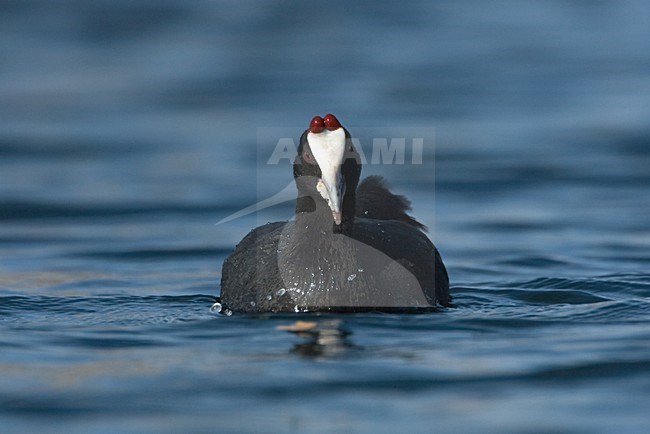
x=308, y=157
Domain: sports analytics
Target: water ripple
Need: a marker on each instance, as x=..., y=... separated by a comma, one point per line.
x=159, y=254
x=29, y=210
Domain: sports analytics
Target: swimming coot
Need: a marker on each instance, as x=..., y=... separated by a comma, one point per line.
x=351, y=247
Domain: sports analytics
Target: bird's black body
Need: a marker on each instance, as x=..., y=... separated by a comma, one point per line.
x=377, y=259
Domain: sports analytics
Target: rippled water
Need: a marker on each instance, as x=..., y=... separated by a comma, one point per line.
x=127, y=130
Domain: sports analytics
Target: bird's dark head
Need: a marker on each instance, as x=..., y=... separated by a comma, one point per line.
x=327, y=168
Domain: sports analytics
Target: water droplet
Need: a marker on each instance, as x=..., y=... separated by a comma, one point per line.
x=252, y=304
x=351, y=277
x=296, y=309
x=227, y=312
x=216, y=308
x=269, y=297
x=360, y=270
x=281, y=292
x=365, y=212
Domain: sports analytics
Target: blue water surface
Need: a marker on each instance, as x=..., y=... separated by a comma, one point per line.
x=128, y=129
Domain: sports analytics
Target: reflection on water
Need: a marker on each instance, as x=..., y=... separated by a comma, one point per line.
x=322, y=338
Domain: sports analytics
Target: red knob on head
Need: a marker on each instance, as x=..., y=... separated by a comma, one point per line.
x=331, y=123
x=316, y=125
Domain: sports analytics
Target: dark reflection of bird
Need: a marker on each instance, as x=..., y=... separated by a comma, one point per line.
x=349, y=249
x=323, y=338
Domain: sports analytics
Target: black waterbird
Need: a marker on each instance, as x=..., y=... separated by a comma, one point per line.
x=351, y=247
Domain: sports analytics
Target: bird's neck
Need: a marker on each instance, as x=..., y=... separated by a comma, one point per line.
x=314, y=215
